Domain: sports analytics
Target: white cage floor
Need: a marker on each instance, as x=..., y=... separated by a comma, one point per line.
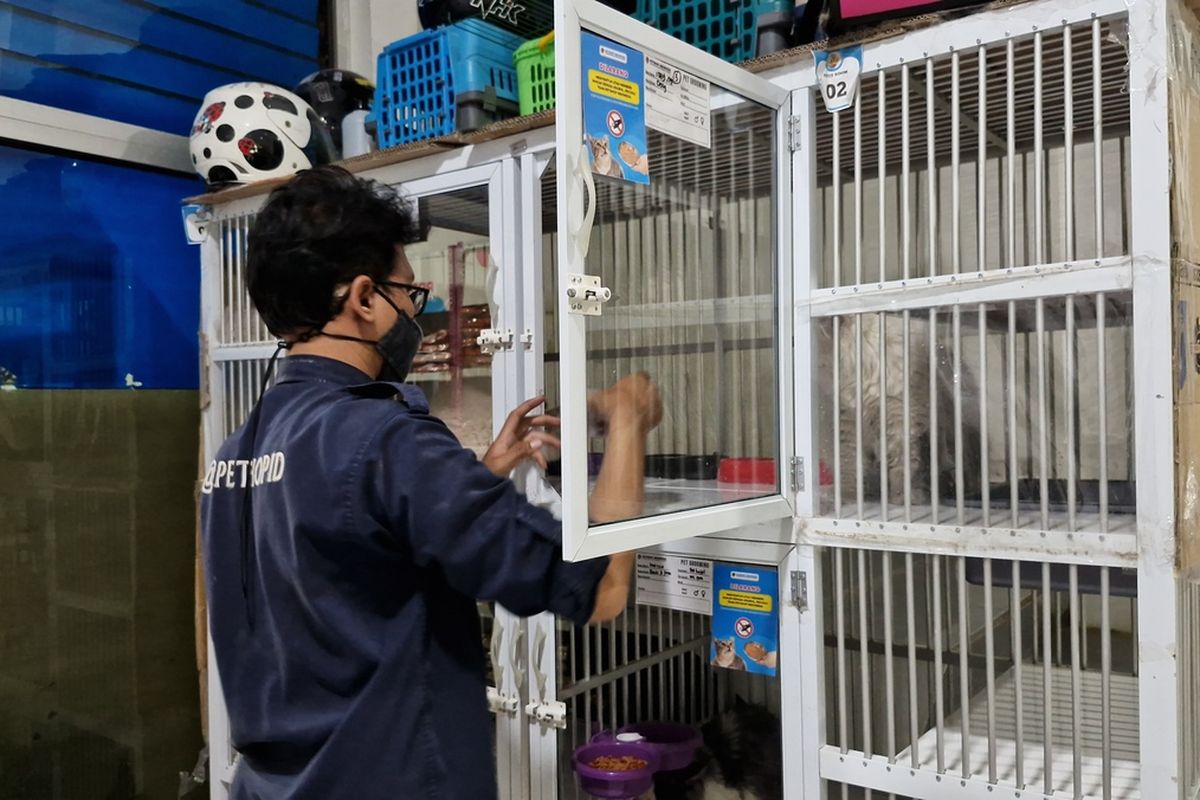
x=1124, y=734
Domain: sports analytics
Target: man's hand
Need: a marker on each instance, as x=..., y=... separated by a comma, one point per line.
x=632, y=401
x=518, y=439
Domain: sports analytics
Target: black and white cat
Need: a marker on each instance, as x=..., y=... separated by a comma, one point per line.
x=742, y=759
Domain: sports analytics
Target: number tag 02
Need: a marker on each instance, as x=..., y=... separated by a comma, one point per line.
x=838, y=74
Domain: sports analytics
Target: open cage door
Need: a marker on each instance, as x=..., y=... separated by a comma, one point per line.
x=673, y=252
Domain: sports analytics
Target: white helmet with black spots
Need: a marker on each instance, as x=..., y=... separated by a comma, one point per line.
x=247, y=132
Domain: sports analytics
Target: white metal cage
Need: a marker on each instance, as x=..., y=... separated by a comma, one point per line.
x=1010, y=673
x=982, y=304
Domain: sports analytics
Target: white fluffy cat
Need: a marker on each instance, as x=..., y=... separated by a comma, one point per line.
x=886, y=347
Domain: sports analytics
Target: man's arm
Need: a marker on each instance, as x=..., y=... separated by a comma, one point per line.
x=629, y=410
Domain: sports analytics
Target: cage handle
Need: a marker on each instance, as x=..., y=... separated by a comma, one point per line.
x=497, y=637
x=518, y=663
x=539, y=647
x=583, y=236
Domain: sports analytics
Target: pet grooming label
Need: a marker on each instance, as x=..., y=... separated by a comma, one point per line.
x=682, y=584
x=745, y=624
x=614, y=109
x=677, y=103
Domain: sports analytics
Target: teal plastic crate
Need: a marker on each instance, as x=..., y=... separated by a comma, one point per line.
x=733, y=30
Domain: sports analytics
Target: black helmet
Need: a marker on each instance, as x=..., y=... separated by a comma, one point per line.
x=433, y=13
x=334, y=93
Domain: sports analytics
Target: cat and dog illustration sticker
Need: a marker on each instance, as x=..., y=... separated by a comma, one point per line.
x=745, y=620
x=743, y=601
x=624, y=93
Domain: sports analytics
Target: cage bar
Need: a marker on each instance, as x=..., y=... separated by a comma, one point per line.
x=911, y=633
x=1076, y=678
x=939, y=695
x=1047, y=683
x=964, y=672
x=864, y=653
x=839, y=578
x=989, y=649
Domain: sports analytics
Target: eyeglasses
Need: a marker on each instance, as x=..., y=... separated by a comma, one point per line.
x=419, y=295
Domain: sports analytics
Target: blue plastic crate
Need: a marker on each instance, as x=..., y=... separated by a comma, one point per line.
x=453, y=79
x=728, y=29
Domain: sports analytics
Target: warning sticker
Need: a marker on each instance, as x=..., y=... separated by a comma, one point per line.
x=678, y=103
x=745, y=625
x=750, y=602
x=614, y=113
x=683, y=584
x=614, y=88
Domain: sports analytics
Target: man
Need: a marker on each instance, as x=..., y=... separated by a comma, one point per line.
x=348, y=535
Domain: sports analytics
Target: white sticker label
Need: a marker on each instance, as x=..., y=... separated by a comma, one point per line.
x=195, y=224
x=678, y=103
x=838, y=74
x=682, y=584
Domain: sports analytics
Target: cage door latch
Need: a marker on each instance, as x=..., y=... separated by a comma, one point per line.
x=585, y=295
x=548, y=715
x=494, y=340
x=500, y=703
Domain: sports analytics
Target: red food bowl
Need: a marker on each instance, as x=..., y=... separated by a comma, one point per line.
x=748, y=471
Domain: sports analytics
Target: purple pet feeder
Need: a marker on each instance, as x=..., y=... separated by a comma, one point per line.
x=675, y=744
x=627, y=785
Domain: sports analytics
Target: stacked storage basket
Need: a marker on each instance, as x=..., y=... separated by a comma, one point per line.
x=454, y=79
x=733, y=30
x=534, y=61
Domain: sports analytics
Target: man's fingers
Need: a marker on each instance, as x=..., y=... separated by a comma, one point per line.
x=534, y=449
x=548, y=440
x=517, y=417
x=529, y=405
x=538, y=440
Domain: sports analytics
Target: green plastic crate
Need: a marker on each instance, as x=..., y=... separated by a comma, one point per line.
x=534, y=61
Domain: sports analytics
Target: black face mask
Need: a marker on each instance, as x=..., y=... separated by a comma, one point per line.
x=398, y=346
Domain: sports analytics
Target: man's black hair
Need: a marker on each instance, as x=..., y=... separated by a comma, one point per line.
x=320, y=230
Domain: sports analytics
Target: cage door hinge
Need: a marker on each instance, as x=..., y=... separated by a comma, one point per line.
x=800, y=590
x=797, y=474
x=795, y=138
x=585, y=295
x=500, y=703
x=549, y=715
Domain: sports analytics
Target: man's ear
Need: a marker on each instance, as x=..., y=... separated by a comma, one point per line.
x=360, y=300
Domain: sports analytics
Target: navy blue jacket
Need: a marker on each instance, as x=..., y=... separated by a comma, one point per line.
x=349, y=650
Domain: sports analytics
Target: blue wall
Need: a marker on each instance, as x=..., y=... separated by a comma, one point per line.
x=96, y=281
x=150, y=64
